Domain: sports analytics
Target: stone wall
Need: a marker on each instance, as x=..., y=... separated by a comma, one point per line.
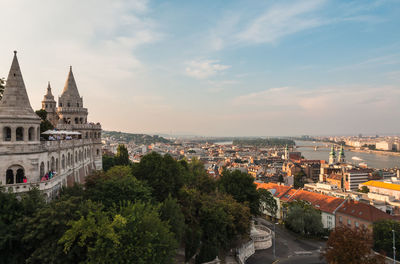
x=245, y=251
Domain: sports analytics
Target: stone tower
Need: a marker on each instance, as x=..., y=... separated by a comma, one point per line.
x=70, y=104
x=341, y=157
x=50, y=105
x=332, y=156
x=286, y=153
x=20, y=130
x=73, y=117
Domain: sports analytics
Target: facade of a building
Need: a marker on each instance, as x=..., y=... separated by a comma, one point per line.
x=25, y=158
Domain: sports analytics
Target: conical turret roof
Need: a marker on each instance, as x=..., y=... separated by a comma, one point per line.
x=48, y=96
x=70, y=87
x=15, y=102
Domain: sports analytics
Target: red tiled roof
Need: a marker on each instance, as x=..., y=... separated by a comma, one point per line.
x=280, y=190
x=286, y=197
x=363, y=211
x=321, y=202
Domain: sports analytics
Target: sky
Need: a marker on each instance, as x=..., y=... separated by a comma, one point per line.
x=215, y=68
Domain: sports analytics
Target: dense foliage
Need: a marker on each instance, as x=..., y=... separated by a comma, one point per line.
x=383, y=237
x=242, y=188
x=351, y=245
x=121, y=158
x=140, y=212
x=302, y=218
x=268, y=202
x=135, y=138
x=44, y=124
x=264, y=142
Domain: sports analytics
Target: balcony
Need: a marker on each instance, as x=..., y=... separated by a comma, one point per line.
x=42, y=186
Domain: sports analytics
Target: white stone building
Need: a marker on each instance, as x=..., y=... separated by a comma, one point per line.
x=25, y=158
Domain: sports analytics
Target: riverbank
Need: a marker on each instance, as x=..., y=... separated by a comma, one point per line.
x=379, y=152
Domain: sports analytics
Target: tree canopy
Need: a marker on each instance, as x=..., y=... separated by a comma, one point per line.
x=383, y=237
x=241, y=186
x=347, y=245
x=304, y=219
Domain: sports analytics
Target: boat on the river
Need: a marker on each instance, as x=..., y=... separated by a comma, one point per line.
x=356, y=158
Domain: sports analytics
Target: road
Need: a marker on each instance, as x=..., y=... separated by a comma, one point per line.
x=289, y=249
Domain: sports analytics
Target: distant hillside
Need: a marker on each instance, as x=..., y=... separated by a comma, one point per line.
x=136, y=138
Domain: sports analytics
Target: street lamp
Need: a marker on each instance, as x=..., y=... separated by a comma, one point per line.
x=394, y=248
x=274, y=239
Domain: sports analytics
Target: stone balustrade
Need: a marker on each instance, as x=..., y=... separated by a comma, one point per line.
x=42, y=186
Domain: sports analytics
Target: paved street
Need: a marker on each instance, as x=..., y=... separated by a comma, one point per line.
x=289, y=249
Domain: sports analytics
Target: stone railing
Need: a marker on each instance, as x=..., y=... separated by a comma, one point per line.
x=72, y=109
x=23, y=147
x=79, y=126
x=42, y=186
x=64, y=144
x=245, y=251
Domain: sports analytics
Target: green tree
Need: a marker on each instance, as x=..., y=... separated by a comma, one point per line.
x=280, y=178
x=44, y=124
x=122, y=156
x=364, y=189
x=171, y=212
x=132, y=231
x=44, y=228
x=347, y=245
x=268, y=201
x=299, y=179
x=2, y=86
x=383, y=236
x=108, y=162
x=11, y=212
x=199, y=178
x=216, y=220
x=241, y=186
x=115, y=186
x=304, y=219
x=164, y=174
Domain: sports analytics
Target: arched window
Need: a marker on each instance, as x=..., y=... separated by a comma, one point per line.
x=60, y=104
x=41, y=173
x=86, y=135
x=98, y=152
x=31, y=133
x=69, y=160
x=63, y=162
x=20, y=176
x=57, y=165
x=99, y=135
x=9, y=176
x=76, y=156
x=81, y=120
x=76, y=120
x=38, y=133
x=19, y=134
x=52, y=164
x=7, y=134
x=68, y=104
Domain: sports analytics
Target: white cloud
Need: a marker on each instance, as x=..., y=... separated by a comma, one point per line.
x=99, y=38
x=203, y=69
x=281, y=20
x=329, y=100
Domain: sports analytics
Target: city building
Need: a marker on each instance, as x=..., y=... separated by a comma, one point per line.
x=26, y=160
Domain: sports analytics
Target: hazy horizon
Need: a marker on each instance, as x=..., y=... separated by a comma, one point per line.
x=229, y=68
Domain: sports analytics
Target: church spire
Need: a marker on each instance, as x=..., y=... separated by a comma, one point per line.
x=332, y=155
x=70, y=87
x=15, y=102
x=48, y=95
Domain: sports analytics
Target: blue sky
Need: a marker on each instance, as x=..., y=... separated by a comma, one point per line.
x=237, y=68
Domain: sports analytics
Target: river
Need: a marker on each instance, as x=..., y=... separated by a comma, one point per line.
x=371, y=159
